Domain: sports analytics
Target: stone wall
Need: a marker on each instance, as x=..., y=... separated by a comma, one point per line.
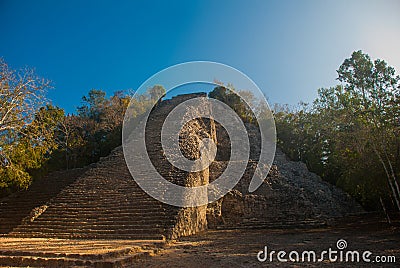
x=192, y=220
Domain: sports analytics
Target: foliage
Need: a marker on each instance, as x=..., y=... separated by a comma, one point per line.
x=350, y=135
x=229, y=97
x=25, y=125
x=96, y=129
x=92, y=133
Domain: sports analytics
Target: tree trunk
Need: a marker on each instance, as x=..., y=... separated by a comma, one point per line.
x=389, y=179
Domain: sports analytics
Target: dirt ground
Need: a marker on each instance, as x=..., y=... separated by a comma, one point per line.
x=239, y=248
x=72, y=246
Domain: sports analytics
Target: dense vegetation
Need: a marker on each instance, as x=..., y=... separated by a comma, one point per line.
x=227, y=95
x=350, y=135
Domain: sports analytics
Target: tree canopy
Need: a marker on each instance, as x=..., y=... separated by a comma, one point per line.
x=350, y=134
x=26, y=125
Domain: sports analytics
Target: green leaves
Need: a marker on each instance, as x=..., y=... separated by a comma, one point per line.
x=350, y=135
x=233, y=100
x=25, y=127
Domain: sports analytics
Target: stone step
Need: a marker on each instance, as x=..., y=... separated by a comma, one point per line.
x=131, y=208
x=66, y=235
x=86, y=256
x=83, y=226
x=120, y=221
x=106, y=217
x=101, y=215
x=33, y=260
x=107, y=196
x=90, y=229
x=95, y=229
x=277, y=225
x=121, y=199
x=108, y=208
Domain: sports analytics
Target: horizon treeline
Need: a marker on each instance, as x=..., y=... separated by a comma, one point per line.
x=349, y=135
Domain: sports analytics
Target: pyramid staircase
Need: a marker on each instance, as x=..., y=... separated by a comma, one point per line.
x=103, y=202
x=16, y=207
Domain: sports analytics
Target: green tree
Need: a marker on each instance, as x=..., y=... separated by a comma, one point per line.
x=93, y=132
x=233, y=100
x=25, y=125
x=30, y=149
x=350, y=135
x=373, y=90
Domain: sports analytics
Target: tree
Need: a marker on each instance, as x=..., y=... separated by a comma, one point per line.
x=350, y=135
x=93, y=132
x=373, y=88
x=24, y=126
x=234, y=101
x=21, y=95
x=156, y=92
x=31, y=148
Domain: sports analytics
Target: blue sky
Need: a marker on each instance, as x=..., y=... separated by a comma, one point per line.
x=289, y=48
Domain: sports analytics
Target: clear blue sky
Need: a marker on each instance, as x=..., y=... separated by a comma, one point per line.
x=289, y=48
